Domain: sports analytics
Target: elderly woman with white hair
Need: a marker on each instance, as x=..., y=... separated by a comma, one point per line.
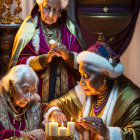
x=107, y=102
x=20, y=110
x=47, y=24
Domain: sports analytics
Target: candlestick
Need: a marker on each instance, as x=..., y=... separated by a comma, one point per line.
x=62, y=131
x=53, y=129
x=70, y=128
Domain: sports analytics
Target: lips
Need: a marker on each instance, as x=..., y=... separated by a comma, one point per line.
x=86, y=89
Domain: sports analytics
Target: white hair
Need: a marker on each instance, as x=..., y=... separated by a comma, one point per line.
x=15, y=74
x=64, y=3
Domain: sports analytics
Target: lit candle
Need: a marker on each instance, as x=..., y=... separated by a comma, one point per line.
x=53, y=128
x=47, y=127
x=70, y=128
x=62, y=131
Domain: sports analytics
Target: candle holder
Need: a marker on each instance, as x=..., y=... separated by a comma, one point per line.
x=18, y=138
x=2, y=9
x=60, y=138
x=8, y=17
x=17, y=10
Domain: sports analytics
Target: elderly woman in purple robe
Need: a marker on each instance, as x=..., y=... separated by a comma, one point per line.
x=20, y=110
x=55, y=64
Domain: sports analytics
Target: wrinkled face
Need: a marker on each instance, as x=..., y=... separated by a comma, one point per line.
x=50, y=11
x=91, y=80
x=23, y=90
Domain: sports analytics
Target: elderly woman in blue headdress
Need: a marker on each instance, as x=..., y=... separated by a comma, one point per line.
x=107, y=102
x=20, y=110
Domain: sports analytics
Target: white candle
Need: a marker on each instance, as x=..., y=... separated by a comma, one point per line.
x=70, y=128
x=47, y=128
x=53, y=129
x=62, y=131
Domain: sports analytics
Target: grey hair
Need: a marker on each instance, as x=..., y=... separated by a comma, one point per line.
x=15, y=74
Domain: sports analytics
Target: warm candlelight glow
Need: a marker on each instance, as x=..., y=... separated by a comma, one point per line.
x=53, y=128
x=62, y=124
x=70, y=128
x=79, y=115
x=62, y=131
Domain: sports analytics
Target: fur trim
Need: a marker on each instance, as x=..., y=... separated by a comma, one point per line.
x=36, y=40
x=107, y=115
x=75, y=60
x=80, y=93
x=88, y=106
x=101, y=63
x=115, y=133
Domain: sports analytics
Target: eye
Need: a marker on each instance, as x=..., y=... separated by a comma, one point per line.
x=25, y=90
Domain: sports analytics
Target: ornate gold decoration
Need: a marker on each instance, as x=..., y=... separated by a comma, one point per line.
x=8, y=17
x=2, y=8
x=60, y=138
x=17, y=10
x=18, y=138
x=5, y=5
x=16, y=115
x=49, y=32
x=105, y=9
x=34, y=63
x=45, y=87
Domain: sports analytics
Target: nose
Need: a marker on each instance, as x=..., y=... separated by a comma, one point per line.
x=51, y=13
x=28, y=97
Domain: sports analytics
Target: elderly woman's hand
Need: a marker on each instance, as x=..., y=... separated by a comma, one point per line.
x=59, y=117
x=37, y=134
x=94, y=124
x=62, y=50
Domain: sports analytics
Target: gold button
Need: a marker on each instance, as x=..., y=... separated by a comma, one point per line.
x=105, y=9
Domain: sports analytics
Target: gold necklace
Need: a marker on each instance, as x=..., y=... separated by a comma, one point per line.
x=50, y=33
x=16, y=115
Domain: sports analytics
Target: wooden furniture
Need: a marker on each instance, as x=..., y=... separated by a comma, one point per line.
x=7, y=35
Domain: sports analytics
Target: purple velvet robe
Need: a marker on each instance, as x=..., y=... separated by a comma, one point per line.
x=5, y=134
x=67, y=39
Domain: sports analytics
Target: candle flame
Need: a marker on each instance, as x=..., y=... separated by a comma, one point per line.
x=62, y=124
x=71, y=119
x=52, y=120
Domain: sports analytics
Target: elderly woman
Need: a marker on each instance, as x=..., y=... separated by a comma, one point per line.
x=46, y=25
x=20, y=111
x=107, y=102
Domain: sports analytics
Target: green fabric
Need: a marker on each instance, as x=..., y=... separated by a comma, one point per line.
x=126, y=113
